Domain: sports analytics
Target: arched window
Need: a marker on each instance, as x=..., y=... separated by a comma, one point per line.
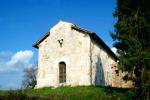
x=62, y=72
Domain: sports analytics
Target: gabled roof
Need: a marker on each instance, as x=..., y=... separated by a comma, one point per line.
x=93, y=36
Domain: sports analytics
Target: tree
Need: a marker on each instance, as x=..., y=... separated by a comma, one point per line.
x=29, y=77
x=132, y=40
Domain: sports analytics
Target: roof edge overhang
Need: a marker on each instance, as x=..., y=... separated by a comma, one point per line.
x=35, y=45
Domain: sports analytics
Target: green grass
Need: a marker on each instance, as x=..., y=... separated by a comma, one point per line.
x=69, y=93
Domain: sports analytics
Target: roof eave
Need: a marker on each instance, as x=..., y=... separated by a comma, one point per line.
x=35, y=45
x=99, y=40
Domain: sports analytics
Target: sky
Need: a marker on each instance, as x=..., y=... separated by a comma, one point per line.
x=22, y=22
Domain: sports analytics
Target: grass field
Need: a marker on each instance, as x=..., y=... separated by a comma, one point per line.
x=69, y=93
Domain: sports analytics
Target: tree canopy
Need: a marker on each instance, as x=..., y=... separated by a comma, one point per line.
x=132, y=40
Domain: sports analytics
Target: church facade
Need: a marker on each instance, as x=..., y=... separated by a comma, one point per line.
x=73, y=56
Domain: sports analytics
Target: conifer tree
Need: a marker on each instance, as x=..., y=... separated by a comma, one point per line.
x=132, y=40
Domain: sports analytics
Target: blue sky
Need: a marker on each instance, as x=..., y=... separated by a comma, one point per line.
x=22, y=22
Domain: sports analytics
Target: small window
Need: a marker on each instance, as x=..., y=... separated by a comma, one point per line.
x=60, y=42
x=62, y=72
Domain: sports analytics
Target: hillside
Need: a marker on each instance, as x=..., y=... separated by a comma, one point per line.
x=68, y=93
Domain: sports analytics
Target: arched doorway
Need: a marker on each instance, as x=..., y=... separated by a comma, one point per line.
x=62, y=72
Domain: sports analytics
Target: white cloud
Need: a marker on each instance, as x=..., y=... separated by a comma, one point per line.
x=12, y=66
x=17, y=61
x=114, y=50
x=21, y=56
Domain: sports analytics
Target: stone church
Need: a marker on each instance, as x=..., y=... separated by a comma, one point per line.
x=71, y=56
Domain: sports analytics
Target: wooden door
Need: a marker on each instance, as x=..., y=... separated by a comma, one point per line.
x=62, y=72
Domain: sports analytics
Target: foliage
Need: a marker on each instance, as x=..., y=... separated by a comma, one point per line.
x=29, y=77
x=69, y=93
x=132, y=38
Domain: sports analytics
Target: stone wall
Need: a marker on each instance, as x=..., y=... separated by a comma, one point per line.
x=117, y=76
x=101, y=65
x=74, y=52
